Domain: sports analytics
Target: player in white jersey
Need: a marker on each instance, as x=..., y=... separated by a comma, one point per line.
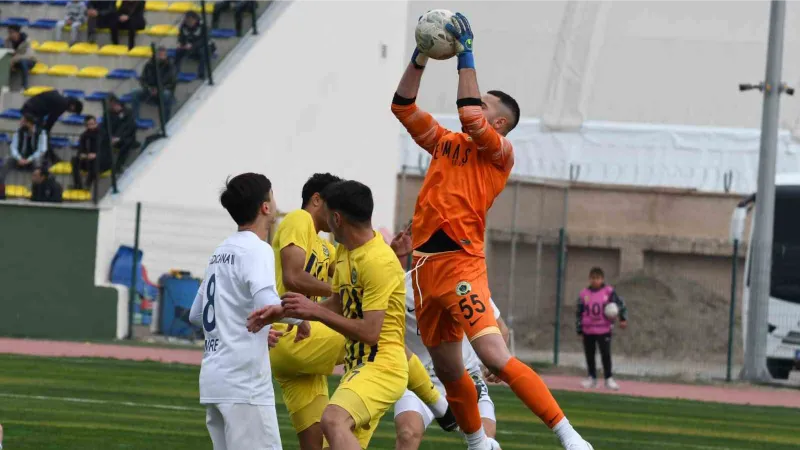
x=235, y=375
x=411, y=415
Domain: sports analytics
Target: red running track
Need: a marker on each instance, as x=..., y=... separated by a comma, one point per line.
x=742, y=395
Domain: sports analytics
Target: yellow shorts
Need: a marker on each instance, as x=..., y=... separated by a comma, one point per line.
x=302, y=369
x=367, y=391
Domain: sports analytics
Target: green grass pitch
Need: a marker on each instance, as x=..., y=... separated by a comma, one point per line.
x=54, y=403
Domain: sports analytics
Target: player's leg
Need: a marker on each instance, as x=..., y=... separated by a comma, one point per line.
x=420, y=383
x=411, y=418
x=251, y=427
x=216, y=427
x=589, y=349
x=486, y=408
x=604, y=342
x=305, y=397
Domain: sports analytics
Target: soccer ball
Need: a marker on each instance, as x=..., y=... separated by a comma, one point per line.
x=432, y=39
x=611, y=311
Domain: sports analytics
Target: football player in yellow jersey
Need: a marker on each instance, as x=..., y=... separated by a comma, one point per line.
x=367, y=307
x=303, y=263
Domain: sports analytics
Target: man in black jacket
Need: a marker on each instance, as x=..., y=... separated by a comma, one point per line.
x=44, y=188
x=239, y=8
x=89, y=154
x=46, y=108
x=123, y=130
x=167, y=74
x=102, y=14
x=190, y=43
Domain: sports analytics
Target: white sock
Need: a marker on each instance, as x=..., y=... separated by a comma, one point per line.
x=439, y=408
x=565, y=432
x=476, y=440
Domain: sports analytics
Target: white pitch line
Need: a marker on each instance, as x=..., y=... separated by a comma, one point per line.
x=101, y=402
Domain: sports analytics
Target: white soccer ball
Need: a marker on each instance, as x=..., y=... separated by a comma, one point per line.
x=432, y=39
x=611, y=311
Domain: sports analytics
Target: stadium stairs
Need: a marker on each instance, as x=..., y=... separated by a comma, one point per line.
x=91, y=72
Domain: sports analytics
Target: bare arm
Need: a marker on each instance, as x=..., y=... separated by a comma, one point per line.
x=474, y=123
x=410, y=81
x=295, y=278
x=366, y=330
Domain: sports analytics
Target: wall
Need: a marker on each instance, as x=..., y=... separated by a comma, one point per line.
x=47, y=268
x=648, y=62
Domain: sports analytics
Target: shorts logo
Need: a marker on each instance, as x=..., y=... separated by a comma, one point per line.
x=353, y=276
x=463, y=288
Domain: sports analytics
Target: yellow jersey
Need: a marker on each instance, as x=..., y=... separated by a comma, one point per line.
x=297, y=228
x=370, y=278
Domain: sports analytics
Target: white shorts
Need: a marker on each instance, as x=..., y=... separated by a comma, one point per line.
x=239, y=426
x=410, y=402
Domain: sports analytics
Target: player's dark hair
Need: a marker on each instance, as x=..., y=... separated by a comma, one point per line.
x=510, y=104
x=316, y=184
x=596, y=271
x=30, y=118
x=243, y=196
x=350, y=198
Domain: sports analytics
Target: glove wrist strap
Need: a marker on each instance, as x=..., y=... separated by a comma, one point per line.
x=466, y=61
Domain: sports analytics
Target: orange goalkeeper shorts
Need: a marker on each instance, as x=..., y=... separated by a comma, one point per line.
x=451, y=297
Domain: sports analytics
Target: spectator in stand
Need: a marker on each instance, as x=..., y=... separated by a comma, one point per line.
x=239, y=8
x=27, y=148
x=167, y=74
x=46, y=108
x=595, y=327
x=44, y=188
x=123, y=130
x=102, y=14
x=23, y=59
x=190, y=43
x=74, y=17
x=87, y=158
x=130, y=16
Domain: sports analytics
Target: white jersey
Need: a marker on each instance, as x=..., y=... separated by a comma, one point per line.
x=414, y=342
x=235, y=366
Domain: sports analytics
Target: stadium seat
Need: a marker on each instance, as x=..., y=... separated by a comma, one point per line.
x=35, y=45
x=84, y=48
x=96, y=96
x=59, y=2
x=36, y=90
x=33, y=2
x=93, y=72
x=63, y=70
x=145, y=124
x=113, y=50
x=186, y=77
x=142, y=51
x=77, y=93
x=156, y=6
x=17, y=191
x=21, y=21
x=61, y=168
x=60, y=142
x=4, y=138
x=73, y=119
x=180, y=7
x=13, y=114
x=122, y=74
x=53, y=47
x=126, y=98
x=76, y=195
x=44, y=24
x=161, y=30
x=40, y=69
x=223, y=33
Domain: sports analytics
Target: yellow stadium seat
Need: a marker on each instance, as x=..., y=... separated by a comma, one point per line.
x=156, y=6
x=53, y=47
x=142, y=51
x=106, y=174
x=63, y=70
x=17, y=191
x=209, y=7
x=93, y=72
x=84, y=48
x=162, y=30
x=61, y=168
x=39, y=69
x=35, y=45
x=180, y=7
x=36, y=90
x=76, y=195
x=119, y=3
x=113, y=50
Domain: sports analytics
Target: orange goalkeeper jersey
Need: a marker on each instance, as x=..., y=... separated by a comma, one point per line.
x=467, y=172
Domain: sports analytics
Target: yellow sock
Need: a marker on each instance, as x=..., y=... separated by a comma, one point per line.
x=419, y=382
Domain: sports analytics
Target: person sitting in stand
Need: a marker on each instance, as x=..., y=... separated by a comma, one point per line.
x=190, y=43
x=27, y=148
x=123, y=130
x=163, y=70
x=86, y=160
x=44, y=188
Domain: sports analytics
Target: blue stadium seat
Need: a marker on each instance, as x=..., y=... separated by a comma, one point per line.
x=122, y=74
x=33, y=2
x=77, y=93
x=44, y=24
x=126, y=98
x=171, y=52
x=21, y=21
x=4, y=138
x=145, y=124
x=60, y=142
x=13, y=114
x=96, y=96
x=59, y=2
x=74, y=119
x=223, y=33
x=186, y=77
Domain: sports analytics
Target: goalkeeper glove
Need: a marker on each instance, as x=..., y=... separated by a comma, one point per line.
x=462, y=32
